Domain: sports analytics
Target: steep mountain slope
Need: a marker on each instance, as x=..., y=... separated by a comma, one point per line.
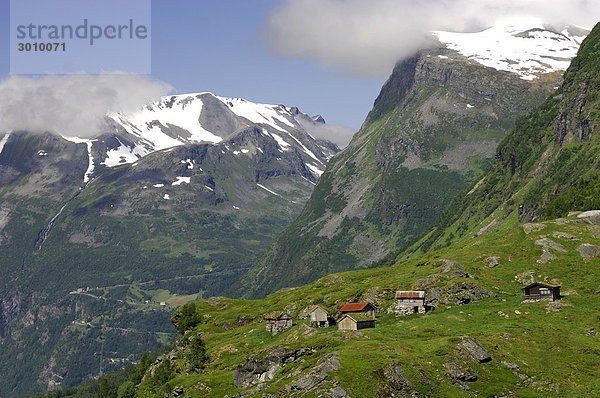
x=431, y=133
x=101, y=238
x=547, y=167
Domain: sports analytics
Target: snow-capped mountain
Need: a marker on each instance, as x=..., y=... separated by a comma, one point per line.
x=206, y=118
x=524, y=46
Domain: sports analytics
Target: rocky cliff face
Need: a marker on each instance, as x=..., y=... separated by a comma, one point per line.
x=433, y=130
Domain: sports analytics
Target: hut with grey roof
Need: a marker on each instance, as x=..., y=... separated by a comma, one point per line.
x=278, y=321
x=319, y=318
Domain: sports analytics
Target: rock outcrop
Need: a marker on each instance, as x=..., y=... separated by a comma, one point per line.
x=588, y=251
x=458, y=367
x=262, y=367
x=455, y=291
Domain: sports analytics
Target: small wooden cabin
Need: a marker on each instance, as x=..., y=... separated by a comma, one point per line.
x=356, y=321
x=410, y=302
x=541, y=291
x=319, y=318
x=278, y=321
x=354, y=308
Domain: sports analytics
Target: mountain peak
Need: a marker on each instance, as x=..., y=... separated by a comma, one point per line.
x=524, y=46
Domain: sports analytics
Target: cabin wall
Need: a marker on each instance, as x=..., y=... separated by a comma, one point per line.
x=347, y=324
x=365, y=324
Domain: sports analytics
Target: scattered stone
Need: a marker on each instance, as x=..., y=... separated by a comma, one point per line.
x=525, y=278
x=591, y=332
x=517, y=312
x=588, y=251
x=500, y=313
x=335, y=279
x=475, y=349
x=563, y=235
x=533, y=227
x=556, y=306
x=510, y=365
x=492, y=261
x=201, y=387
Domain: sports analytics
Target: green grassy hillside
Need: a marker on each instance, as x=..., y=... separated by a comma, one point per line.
x=537, y=349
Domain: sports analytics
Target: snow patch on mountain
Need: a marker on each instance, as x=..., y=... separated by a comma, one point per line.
x=281, y=142
x=314, y=169
x=259, y=113
x=524, y=46
x=124, y=154
x=3, y=141
x=180, y=111
x=182, y=180
x=268, y=190
x=87, y=176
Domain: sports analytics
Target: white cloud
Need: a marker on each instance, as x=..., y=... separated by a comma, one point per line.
x=366, y=38
x=72, y=105
x=339, y=135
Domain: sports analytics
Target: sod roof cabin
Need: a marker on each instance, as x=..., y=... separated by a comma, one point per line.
x=541, y=291
x=278, y=321
x=354, y=308
x=355, y=321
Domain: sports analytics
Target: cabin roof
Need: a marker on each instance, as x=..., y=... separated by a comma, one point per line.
x=358, y=317
x=351, y=307
x=277, y=315
x=544, y=284
x=410, y=294
x=316, y=307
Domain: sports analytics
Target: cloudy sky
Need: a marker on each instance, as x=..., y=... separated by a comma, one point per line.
x=327, y=57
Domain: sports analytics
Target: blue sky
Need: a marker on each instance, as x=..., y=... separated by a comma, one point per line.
x=218, y=46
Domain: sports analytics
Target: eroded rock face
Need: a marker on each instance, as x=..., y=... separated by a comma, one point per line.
x=316, y=380
x=262, y=367
x=396, y=383
x=458, y=371
x=458, y=367
x=588, y=251
x=548, y=245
